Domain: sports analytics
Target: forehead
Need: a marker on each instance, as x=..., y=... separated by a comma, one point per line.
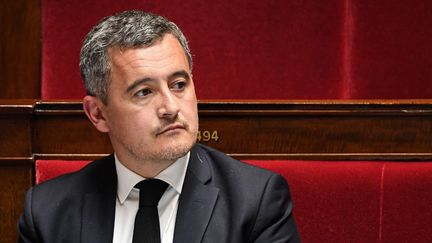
x=162, y=52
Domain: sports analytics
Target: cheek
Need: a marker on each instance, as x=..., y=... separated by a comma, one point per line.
x=135, y=130
x=130, y=122
x=192, y=115
x=141, y=122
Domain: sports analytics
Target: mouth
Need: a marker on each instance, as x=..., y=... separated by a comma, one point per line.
x=171, y=128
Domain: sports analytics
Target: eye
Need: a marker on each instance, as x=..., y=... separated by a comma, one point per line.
x=143, y=93
x=180, y=85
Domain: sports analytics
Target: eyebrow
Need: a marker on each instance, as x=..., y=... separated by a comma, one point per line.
x=137, y=83
x=180, y=73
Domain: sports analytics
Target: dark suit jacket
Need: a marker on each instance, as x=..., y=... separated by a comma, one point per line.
x=223, y=200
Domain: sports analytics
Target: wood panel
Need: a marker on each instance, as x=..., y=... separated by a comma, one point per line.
x=16, y=162
x=20, y=48
x=15, y=178
x=15, y=128
x=330, y=130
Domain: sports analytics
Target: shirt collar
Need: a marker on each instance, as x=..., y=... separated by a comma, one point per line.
x=173, y=175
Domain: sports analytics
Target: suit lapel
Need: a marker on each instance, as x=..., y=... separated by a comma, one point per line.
x=197, y=200
x=99, y=204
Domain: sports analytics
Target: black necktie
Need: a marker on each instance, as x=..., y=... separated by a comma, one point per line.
x=147, y=229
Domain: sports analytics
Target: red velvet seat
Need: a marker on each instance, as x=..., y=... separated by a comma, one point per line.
x=302, y=49
x=344, y=201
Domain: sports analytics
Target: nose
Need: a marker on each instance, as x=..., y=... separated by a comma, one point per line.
x=169, y=107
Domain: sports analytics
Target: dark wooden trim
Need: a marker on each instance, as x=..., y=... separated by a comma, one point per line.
x=275, y=107
x=317, y=107
x=293, y=156
x=17, y=107
x=58, y=107
x=307, y=130
x=68, y=156
x=13, y=161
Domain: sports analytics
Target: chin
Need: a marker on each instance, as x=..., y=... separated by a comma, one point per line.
x=173, y=153
x=175, y=149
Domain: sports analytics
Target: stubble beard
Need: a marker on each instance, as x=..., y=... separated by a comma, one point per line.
x=171, y=153
x=175, y=147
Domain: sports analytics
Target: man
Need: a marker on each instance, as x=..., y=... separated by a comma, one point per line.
x=137, y=72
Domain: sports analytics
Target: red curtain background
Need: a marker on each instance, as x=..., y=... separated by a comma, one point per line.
x=281, y=49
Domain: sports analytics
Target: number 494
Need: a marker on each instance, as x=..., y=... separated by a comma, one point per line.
x=206, y=136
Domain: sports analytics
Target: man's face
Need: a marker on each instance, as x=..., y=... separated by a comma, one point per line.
x=151, y=114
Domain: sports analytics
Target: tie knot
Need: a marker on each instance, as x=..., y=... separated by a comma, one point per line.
x=150, y=192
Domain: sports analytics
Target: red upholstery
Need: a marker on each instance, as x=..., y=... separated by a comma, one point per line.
x=48, y=169
x=407, y=200
x=281, y=49
x=334, y=201
x=344, y=201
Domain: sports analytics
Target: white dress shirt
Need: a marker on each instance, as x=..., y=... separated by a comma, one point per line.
x=128, y=200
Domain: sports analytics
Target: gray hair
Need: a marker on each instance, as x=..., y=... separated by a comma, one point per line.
x=126, y=29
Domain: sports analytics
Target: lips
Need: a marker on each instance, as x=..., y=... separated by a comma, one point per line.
x=171, y=128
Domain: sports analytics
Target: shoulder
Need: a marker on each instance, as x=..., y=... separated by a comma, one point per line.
x=257, y=198
x=97, y=172
x=219, y=160
x=225, y=169
x=48, y=204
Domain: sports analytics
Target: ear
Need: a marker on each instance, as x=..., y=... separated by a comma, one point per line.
x=95, y=111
